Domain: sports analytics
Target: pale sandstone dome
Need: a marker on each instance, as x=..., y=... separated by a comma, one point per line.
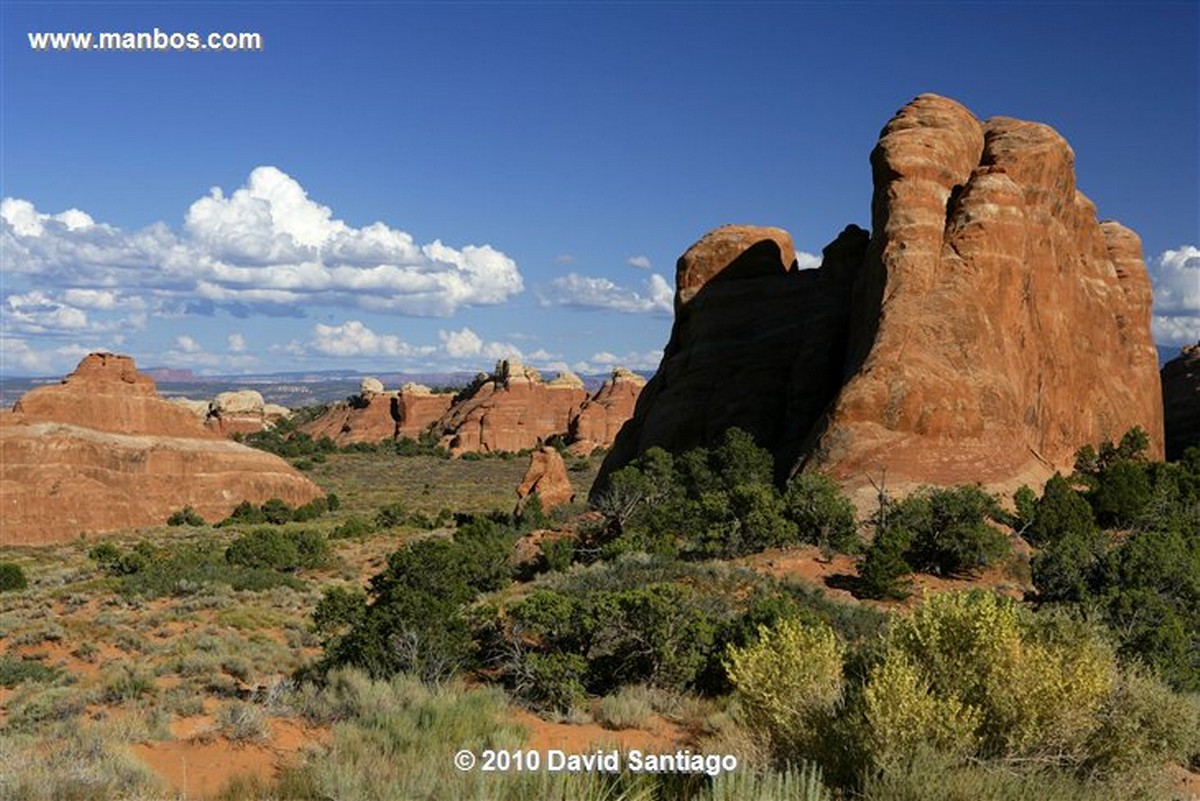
x=1181, y=401
x=103, y=452
x=370, y=386
x=987, y=328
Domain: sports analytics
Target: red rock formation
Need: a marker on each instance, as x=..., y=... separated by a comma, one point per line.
x=510, y=410
x=547, y=476
x=1181, y=401
x=601, y=416
x=989, y=328
x=371, y=416
x=417, y=408
x=102, y=452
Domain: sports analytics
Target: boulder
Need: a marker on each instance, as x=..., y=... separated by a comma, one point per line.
x=102, y=452
x=510, y=409
x=547, y=476
x=239, y=412
x=985, y=329
x=1181, y=401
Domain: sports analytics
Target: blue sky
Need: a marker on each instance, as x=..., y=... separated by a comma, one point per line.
x=393, y=187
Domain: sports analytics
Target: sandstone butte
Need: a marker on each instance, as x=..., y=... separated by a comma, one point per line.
x=601, y=416
x=102, y=451
x=376, y=414
x=1181, y=401
x=547, y=476
x=510, y=410
x=986, y=328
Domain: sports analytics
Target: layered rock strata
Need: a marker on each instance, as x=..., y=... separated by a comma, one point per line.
x=987, y=328
x=101, y=451
x=510, y=409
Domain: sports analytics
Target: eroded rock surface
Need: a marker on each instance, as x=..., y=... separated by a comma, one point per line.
x=101, y=451
x=547, y=476
x=510, y=409
x=601, y=416
x=987, y=328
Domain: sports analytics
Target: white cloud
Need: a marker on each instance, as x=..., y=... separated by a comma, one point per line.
x=236, y=343
x=1175, y=275
x=352, y=338
x=807, y=261
x=466, y=343
x=605, y=361
x=185, y=344
x=585, y=292
x=461, y=344
x=38, y=313
x=641, y=262
x=1176, y=278
x=266, y=244
x=1176, y=331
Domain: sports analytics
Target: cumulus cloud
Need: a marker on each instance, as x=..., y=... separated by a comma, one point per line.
x=352, y=338
x=807, y=261
x=236, y=343
x=466, y=343
x=38, y=313
x=186, y=344
x=584, y=292
x=266, y=244
x=605, y=361
x=1175, y=275
x=641, y=262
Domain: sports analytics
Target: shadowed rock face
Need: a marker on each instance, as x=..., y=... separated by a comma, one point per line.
x=1181, y=401
x=988, y=328
x=102, y=451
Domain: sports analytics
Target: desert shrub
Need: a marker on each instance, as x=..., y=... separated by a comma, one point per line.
x=187, y=516
x=628, y=708
x=413, y=621
x=12, y=577
x=240, y=722
x=245, y=512
x=822, y=513
x=353, y=527
x=559, y=553
x=83, y=765
x=392, y=515
x=1059, y=513
x=276, y=511
x=789, y=683
x=339, y=609
x=718, y=501
x=884, y=571
x=15, y=670
x=267, y=548
x=277, y=549
x=950, y=530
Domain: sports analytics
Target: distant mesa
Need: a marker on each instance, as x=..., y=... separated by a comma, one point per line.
x=986, y=328
x=1181, y=401
x=511, y=408
x=102, y=451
